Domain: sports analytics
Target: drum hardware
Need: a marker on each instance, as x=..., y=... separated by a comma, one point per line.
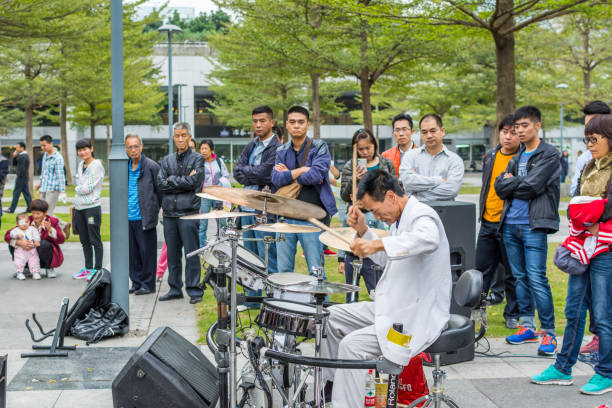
x=318, y=377
x=357, y=265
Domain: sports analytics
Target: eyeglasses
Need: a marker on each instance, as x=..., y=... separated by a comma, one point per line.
x=592, y=139
x=404, y=129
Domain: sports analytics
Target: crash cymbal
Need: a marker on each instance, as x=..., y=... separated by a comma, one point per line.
x=207, y=196
x=334, y=242
x=321, y=288
x=285, y=228
x=282, y=279
x=214, y=214
x=275, y=204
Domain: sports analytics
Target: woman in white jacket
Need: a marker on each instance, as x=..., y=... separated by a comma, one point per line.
x=87, y=216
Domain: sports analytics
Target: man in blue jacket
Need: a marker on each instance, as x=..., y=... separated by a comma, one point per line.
x=144, y=200
x=253, y=170
x=314, y=179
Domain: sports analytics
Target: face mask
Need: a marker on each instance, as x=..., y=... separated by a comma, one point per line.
x=22, y=222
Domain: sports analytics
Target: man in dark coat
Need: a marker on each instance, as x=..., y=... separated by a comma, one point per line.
x=21, y=162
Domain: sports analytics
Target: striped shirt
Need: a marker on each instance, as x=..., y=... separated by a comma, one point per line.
x=133, y=205
x=52, y=176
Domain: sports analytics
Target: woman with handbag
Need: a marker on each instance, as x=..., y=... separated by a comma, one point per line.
x=368, y=159
x=596, y=282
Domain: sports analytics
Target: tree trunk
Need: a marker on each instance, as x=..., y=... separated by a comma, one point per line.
x=92, y=126
x=316, y=106
x=29, y=113
x=586, y=68
x=283, y=91
x=506, y=75
x=64, y=138
x=366, y=99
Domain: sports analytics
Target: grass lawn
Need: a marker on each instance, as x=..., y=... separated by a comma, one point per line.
x=69, y=192
x=9, y=221
x=496, y=326
x=470, y=190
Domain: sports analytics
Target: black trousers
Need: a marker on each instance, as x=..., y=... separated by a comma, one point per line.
x=490, y=252
x=367, y=273
x=182, y=235
x=88, y=223
x=21, y=187
x=45, y=253
x=143, y=256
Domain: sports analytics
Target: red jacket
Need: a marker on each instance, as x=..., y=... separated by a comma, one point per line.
x=395, y=156
x=58, y=256
x=587, y=210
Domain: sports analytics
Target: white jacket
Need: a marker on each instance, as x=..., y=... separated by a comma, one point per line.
x=88, y=185
x=416, y=285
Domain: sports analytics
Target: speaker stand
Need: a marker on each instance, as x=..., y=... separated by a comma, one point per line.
x=58, y=336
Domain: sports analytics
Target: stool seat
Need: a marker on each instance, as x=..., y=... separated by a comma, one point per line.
x=459, y=333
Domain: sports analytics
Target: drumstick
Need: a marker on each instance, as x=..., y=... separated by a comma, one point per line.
x=328, y=229
x=354, y=173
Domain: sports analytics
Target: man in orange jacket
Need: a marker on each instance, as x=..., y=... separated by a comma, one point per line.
x=403, y=131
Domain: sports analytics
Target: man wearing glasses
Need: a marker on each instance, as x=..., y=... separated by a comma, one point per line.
x=530, y=190
x=431, y=172
x=402, y=131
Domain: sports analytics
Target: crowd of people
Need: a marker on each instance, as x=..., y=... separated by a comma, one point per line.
x=518, y=209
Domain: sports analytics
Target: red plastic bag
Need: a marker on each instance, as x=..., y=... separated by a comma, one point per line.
x=412, y=382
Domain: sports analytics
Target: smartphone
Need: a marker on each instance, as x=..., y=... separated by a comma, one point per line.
x=363, y=163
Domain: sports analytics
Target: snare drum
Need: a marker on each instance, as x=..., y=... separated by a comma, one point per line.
x=277, y=281
x=297, y=319
x=250, y=269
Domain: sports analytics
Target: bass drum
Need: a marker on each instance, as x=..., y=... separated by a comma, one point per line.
x=250, y=268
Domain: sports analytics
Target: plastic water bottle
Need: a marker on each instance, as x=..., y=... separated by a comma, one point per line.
x=370, y=390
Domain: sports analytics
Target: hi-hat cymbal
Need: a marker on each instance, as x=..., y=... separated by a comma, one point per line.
x=282, y=279
x=275, y=204
x=215, y=214
x=283, y=227
x=321, y=288
x=349, y=233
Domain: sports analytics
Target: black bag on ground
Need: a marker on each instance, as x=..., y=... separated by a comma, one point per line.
x=97, y=293
x=100, y=323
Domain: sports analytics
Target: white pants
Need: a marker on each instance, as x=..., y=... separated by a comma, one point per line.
x=350, y=335
x=51, y=198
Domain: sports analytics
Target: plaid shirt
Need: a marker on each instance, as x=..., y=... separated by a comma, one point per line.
x=52, y=176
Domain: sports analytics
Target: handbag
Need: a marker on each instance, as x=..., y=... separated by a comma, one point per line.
x=293, y=190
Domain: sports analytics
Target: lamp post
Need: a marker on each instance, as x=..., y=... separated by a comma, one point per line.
x=561, y=86
x=181, y=110
x=169, y=29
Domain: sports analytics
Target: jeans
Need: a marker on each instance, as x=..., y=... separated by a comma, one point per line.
x=601, y=295
x=206, y=206
x=313, y=249
x=490, y=251
x=258, y=248
x=527, y=251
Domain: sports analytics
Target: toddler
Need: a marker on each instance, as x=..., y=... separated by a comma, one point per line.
x=24, y=230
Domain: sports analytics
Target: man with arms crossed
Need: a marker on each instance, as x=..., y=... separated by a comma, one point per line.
x=414, y=290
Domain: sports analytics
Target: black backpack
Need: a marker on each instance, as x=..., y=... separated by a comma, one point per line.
x=97, y=293
x=100, y=323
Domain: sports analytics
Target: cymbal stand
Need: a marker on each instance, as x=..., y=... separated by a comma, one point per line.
x=318, y=371
x=222, y=357
x=357, y=265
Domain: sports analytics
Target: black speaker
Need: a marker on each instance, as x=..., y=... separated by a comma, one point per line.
x=166, y=371
x=459, y=220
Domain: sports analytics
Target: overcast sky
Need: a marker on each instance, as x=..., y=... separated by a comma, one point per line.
x=198, y=5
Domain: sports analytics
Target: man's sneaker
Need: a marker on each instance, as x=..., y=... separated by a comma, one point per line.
x=329, y=252
x=36, y=276
x=597, y=385
x=523, y=335
x=90, y=275
x=51, y=273
x=591, y=347
x=552, y=376
x=20, y=276
x=82, y=274
x=512, y=323
x=548, y=346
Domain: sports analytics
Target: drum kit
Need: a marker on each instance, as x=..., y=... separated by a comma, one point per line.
x=292, y=310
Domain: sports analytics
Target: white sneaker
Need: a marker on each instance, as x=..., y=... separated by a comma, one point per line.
x=36, y=276
x=51, y=273
x=20, y=276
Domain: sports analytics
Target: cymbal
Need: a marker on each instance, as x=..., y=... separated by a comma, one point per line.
x=321, y=288
x=214, y=214
x=207, y=196
x=275, y=204
x=349, y=233
x=282, y=279
x=283, y=227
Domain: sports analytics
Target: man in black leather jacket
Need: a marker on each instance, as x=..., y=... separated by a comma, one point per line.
x=180, y=177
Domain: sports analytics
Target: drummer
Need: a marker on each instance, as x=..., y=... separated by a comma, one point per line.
x=414, y=290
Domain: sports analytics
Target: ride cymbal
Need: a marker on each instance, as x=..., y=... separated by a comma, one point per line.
x=334, y=242
x=283, y=227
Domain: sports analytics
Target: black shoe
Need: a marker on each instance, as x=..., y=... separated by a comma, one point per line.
x=170, y=296
x=132, y=290
x=143, y=291
x=494, y=299
x=195, y=299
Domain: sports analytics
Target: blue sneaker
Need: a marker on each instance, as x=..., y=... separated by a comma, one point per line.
x=552, y=376
x=597, y=385
x=548, y=345
x=523, y=335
